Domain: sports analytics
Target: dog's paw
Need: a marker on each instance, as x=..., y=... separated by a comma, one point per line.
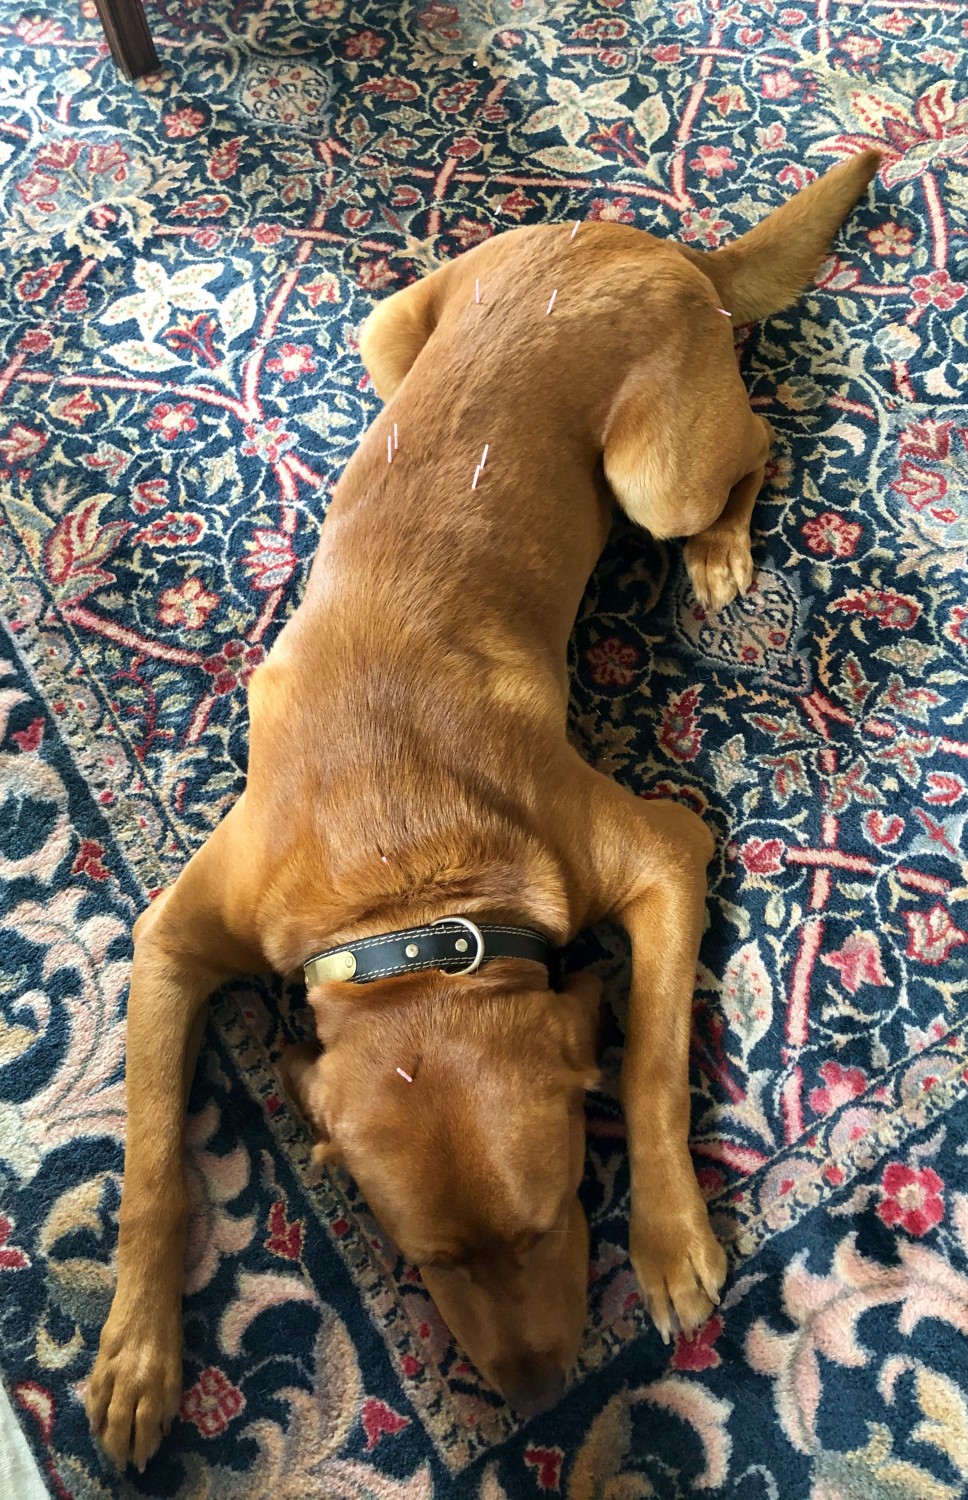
x=719, y=565
x=134, y=1390
x=680, y=1267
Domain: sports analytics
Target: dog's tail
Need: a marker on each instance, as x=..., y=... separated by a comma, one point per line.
x=767, y=268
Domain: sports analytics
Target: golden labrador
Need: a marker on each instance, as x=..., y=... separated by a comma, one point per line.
x=409, y=763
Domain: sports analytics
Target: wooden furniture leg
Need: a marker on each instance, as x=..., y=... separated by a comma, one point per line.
x=128, y=36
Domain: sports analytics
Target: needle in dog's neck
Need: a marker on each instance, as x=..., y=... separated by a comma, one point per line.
x=480, y=467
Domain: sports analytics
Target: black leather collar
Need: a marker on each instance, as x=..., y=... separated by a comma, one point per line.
x=454, y=944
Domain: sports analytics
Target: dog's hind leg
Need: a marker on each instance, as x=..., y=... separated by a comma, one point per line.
x=718, y=559
x=681, y=435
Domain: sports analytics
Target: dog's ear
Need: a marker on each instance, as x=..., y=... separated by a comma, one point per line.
x=397, y=329
x=335, y=1003
x=578, y=1008
x=303, y=1077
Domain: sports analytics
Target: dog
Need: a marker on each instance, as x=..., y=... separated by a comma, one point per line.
x=416, y=830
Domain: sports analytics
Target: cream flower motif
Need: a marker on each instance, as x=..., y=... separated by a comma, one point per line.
x=575, y=109
x=213, y=1182
x=300, y=1458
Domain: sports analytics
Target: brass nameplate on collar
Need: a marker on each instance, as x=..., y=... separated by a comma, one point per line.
x=333, y=966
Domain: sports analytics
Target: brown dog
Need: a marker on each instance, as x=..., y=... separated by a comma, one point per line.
x=409, y=762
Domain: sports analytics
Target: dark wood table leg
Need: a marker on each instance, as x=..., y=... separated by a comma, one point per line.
x=128, y=36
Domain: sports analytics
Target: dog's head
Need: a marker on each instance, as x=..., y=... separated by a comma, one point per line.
x=472, y=1168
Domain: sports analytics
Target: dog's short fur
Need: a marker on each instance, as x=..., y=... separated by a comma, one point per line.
x=414, y=706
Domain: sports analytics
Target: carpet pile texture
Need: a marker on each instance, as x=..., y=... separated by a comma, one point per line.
x=185, y=264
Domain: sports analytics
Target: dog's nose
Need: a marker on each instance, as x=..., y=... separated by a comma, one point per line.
x=534, y=1388
x=534, y=1405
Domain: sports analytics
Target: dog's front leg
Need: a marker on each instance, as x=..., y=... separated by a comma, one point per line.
x=182, y=953
x=655, y=855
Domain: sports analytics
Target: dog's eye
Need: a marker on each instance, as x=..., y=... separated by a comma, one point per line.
x=441, y=1262
x=534, y=1237
x=525, y=1243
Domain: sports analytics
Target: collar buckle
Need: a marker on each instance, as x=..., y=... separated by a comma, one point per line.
x=461, y=943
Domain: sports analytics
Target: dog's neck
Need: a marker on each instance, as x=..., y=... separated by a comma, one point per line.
x=511, y=880
x=488, y=873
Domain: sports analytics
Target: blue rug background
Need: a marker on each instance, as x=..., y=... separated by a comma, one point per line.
x=185, y=263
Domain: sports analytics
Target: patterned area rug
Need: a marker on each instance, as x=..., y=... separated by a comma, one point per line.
x=185, y=264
